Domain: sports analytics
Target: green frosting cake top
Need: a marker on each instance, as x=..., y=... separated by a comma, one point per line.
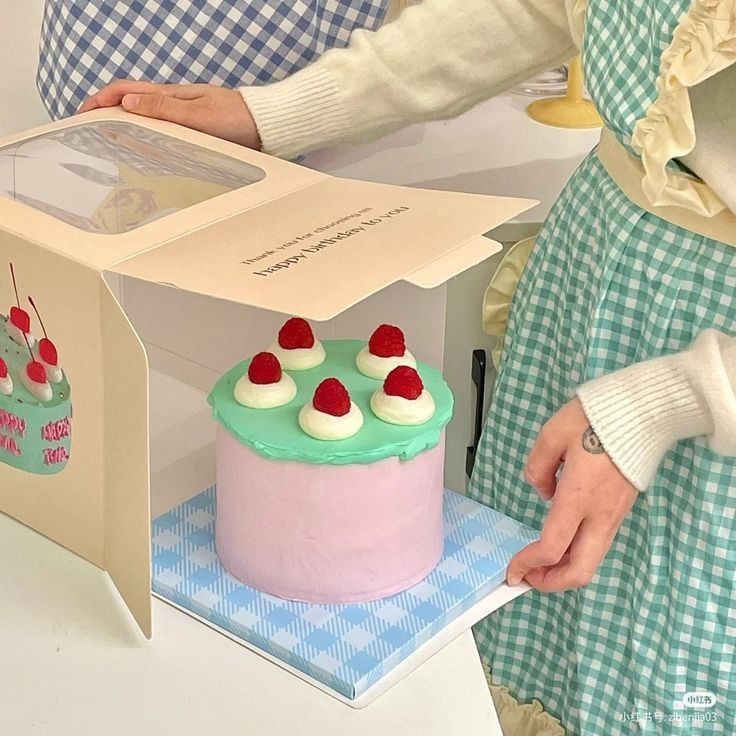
x=17, y=358
x=275, y=433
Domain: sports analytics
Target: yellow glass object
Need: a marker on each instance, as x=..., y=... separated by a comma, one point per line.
x=570, y=111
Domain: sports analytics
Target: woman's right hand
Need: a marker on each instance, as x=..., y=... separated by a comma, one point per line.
x=215, y=110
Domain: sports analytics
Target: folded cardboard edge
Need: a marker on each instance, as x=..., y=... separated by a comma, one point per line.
x=126, y=502
x=454, y=263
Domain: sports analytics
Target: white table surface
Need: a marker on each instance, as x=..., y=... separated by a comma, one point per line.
x=73, y=664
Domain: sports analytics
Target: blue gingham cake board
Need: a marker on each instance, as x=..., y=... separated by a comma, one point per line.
x=347, y=648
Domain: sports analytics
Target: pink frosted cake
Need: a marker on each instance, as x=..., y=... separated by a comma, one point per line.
x=330, y=464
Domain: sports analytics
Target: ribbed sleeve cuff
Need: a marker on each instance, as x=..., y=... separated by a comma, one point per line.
x=640, y=411
x=298, y=114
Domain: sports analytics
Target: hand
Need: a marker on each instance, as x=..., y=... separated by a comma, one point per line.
x=590, y=500
x=215, y=110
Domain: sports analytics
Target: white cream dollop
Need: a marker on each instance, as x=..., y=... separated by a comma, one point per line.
x=398, y=410
x=53, y=372
x=18, y=336
x=299, y=359
x=323, y=426
x=6, y=385
x=42, y=391
x=374, y=366
x=264, y=395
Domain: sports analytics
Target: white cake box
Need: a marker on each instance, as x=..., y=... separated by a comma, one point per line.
x=143, y=240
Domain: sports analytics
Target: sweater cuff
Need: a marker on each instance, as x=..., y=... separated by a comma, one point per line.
x=639, y=412
x=302, y=112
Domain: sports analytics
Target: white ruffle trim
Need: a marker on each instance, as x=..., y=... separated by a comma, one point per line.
x=703, y=44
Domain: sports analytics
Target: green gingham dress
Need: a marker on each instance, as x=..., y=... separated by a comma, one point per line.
x=609, y=284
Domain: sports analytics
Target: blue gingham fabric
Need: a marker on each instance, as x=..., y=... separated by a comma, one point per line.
x=86, y=44
x=351, y=647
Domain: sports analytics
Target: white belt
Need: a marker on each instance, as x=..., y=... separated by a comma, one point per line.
x=627, y=171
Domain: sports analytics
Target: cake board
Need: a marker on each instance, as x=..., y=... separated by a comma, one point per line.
x=354, y=653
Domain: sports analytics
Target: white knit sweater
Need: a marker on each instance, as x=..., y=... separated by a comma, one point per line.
x=440, y=58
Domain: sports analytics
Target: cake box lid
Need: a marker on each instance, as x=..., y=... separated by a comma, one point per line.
x=173, y=206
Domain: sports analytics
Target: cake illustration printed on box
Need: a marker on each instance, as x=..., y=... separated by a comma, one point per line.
x=330, y=459
x=35, y=396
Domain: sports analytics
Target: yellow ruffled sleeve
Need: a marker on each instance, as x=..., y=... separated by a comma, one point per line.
x=500, y=292
x=528, y=719
x=703, y=44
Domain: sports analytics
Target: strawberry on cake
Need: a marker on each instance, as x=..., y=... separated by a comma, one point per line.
x=334, y=496
x=385, y=350
x=296, y=346
x=403, y=399
x=330, y=415
x=265, y=385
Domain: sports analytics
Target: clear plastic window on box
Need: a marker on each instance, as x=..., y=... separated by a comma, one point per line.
x=113, y=177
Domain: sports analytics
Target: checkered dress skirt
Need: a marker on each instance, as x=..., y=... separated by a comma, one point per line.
x=86, y=44
x=608, y=285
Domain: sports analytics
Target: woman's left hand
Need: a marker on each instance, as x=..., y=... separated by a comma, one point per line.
x=590, y=499
x=215, y=110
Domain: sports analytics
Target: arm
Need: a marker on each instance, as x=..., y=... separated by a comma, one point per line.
x=436, y=60
x=640, y=411
x=591, y=459
x=598, y=451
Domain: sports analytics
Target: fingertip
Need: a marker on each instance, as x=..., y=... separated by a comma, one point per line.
x=514, y=578
x=516, y=569
x=131, y=102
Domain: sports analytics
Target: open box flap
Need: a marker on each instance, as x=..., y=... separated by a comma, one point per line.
x=319, y=251
x=75, y=468
x=52, y=467
x=126, y=507
x=105, y=187
x=470, y=254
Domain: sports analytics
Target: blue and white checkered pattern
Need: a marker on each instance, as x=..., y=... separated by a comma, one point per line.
x=351, y=647
x=86, y=44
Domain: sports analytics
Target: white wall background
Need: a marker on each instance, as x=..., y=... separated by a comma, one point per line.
x=20, y=105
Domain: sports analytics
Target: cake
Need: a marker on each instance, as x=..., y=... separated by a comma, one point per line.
x=330, y=481
x=35, y=397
